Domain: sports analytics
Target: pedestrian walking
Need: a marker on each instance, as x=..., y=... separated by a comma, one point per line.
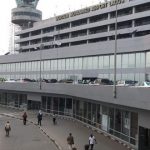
x=92, y=141
x=7, y=128
x=24, y=116
x=70, y=141
x=54, y=119
x=39, y=117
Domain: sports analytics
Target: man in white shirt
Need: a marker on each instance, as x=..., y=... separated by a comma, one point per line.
x=92, y=141
x=7, y=128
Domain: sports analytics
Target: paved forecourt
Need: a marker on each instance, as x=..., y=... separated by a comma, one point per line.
x=23, y=137
x=60, y=132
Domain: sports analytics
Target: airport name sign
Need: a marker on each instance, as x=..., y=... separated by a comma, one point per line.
x=89, y=9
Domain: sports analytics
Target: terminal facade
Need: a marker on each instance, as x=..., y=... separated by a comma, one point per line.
x=80, y=45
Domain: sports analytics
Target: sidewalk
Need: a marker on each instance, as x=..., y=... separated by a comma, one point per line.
x=60, y=132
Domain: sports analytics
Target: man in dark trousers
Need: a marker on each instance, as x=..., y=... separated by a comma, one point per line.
x=39, y=117
x=24, y=118
x=7, y=128
x=92, y=141
x=70, y=141
x=54, y=119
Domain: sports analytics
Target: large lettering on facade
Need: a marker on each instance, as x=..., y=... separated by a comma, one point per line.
x=87, y=10
x=79, y=12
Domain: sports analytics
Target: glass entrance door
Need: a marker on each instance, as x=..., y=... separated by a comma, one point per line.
x=144, y=138
x=35, y=105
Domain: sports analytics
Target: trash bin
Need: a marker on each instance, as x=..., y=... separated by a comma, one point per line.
x=86, y=147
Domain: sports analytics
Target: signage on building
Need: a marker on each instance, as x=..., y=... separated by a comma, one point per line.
x=89, y=9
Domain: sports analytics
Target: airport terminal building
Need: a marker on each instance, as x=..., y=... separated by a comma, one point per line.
x=80, y=45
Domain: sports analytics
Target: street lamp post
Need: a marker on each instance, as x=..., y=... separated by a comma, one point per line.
x=41, y=47
x=57, y=43
x=115, y=56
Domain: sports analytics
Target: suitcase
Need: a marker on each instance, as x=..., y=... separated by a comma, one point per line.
x=86, y=147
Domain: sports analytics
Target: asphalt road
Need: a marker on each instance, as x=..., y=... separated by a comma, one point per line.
x=23, y=137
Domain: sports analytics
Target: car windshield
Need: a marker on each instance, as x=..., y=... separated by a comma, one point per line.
x=148, y=83
x=129, y=82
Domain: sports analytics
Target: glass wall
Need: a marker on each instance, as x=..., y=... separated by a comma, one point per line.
x=13, y=99
x=49, y=67
x=3, y=98
x=118, y=122
x=114, y=120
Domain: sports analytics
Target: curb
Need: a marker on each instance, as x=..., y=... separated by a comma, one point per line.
x=42, y=130
x=107, y=135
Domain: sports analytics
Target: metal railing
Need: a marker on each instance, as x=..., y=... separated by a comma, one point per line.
x=111, y=132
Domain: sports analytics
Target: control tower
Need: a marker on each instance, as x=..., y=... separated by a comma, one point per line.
x=26, y=13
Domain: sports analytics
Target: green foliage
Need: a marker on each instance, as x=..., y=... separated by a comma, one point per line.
x=2, y=79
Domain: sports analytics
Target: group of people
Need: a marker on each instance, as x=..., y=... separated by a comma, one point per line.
x=70, y=138
x=8, y=127
x=40, y=116
x=24, y=118
x=89, y=146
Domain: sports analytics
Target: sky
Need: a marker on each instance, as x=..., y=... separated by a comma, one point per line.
x=48, y=8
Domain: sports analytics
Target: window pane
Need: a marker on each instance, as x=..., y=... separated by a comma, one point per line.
x=148, y=59
x=106, y=62
x=111, y=61
x=71, y=63
x=80, y=63
x=89, y=63
x=131, y=61
x=53, y=64
x=142, y=60
x=76, y=63
x=63, y=64
x=95, y=63
x=67, y=64
x=118, y=61
x=59, y=64
x=85, y=63
x=101, y=64
x=125, y=61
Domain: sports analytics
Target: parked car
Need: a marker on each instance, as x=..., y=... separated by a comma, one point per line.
x=52, y=81
x=126, y=83
x=102, y=81
x=49, y=80
x=28, y=80
x=79, y=81
x=11, y=80
x=66, y=81
x=146, y=84
x=45, y=80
